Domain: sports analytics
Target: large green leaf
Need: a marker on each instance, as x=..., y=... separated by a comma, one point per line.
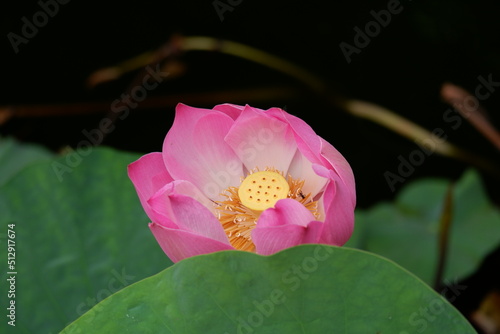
x=14, y=156
x=406, y=231
x=306, y=289
x=81, y=235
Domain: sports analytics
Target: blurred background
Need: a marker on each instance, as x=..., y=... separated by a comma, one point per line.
x=53, y=89
x=402, y=68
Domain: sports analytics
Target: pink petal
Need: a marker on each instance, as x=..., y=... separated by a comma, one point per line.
x=286, y=225
x=161, y=209
x=261, y=141
x=307, y=140
x=232, y=110
x=269, y=240
x=341, y=167
x=175, y=210
x=148, y=174
x=192, y=215
x=338, y=211
x=302, y=169
x=179, y=244
x=194, y=150
x=186, y=188
x=319, y=151
x=285, y=212
x=272, y=240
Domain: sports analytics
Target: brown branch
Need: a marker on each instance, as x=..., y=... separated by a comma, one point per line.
x=370, y=111
x=153, y=102
x=414, y=132
x=444, y=234
x=476, y=115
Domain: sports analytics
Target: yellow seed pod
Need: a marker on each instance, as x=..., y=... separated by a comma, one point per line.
x=261, y=190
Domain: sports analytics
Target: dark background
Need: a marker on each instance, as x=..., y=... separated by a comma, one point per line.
x=402, y=68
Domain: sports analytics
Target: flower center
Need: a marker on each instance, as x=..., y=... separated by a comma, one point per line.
x=261, y=190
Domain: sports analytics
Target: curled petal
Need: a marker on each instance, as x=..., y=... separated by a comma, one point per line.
x=148, y=174
x=341, y=167
x=303, y=169
x=286, y=212
x=271, y=239
x=180, y=244
x=232, y=110
x=288, y=224
x=185, y=212
x=338, y=211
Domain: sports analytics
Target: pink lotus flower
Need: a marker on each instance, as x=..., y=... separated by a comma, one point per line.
x=243, y=178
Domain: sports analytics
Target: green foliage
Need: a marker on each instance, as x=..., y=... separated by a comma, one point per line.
x=407, y=231
x=306, y=289
x=77, y=240
x=15, y=156
x=81, y=236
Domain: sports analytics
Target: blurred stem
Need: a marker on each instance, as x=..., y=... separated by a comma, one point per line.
x=476, y=115
x=369, y=111
x=82, y=108
x=202, y=43
x=366, y=110
x=414, y=132
x=444, y=233
x=112, y=73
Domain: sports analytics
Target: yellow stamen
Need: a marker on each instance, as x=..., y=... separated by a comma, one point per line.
x=239, y=213
x=261, y=190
